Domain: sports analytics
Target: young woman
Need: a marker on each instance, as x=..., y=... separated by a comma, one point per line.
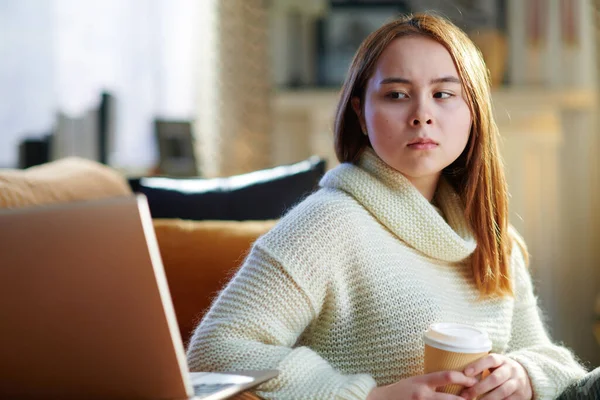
x=409, y=230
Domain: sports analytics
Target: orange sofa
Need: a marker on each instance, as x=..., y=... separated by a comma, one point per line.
x=199, y=256
x=199, y=259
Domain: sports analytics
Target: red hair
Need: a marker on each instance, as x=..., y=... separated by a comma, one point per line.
x=478, y=174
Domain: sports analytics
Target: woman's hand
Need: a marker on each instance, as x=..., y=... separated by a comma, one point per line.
x=507, y=380
x=423, y=387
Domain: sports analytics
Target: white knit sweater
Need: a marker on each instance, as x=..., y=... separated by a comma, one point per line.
x=337, y=295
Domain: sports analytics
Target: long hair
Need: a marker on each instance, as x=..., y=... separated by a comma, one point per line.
x=477, y=175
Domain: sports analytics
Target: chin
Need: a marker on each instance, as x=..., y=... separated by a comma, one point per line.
x=419, y=173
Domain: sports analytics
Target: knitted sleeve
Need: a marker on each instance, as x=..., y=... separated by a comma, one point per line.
x=551, y=368
x=254, y=324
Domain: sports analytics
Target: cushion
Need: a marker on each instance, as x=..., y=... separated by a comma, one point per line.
x=261, y=195
x=199, y=258
x=68, y=179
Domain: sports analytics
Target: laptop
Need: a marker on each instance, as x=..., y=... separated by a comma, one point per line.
x=85, y=309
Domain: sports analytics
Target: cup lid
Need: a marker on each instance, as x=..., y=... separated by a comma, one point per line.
x=458, y=338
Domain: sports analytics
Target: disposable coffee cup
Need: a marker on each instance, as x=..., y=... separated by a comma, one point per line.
x=451, y=347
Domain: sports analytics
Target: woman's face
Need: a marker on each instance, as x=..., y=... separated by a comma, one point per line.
x=414, y=109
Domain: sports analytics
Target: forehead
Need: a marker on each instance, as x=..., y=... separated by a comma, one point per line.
x=415, y=57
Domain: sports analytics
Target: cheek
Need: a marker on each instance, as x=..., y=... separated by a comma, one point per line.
x=380, y=125
x=465, y=127
x=458, y=124
x=383, y=121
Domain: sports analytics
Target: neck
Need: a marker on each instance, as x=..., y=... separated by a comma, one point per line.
x=426, y=185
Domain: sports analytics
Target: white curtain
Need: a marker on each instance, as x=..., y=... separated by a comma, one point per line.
x=59, y=55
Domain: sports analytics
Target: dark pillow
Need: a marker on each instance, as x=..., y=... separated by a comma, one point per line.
x=259, y=195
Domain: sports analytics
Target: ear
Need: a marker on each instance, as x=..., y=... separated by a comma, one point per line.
x=357, y=107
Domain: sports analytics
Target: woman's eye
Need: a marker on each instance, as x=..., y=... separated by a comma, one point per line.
x=442, y=95
x=397, y=95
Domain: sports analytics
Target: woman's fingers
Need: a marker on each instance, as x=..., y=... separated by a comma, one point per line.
x=487, y=362
x=514, y=396
x=494, y=380
x=445, y=396
x=503, y=392
x=443, y=378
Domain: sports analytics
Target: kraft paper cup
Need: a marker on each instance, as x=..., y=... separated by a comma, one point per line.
x=450, y=346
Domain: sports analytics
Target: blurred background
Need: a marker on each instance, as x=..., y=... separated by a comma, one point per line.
x=221, y=87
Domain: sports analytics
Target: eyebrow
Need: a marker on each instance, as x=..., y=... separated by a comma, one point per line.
x=444, y=79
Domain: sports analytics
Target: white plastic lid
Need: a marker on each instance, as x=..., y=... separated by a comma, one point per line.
x=458, y=338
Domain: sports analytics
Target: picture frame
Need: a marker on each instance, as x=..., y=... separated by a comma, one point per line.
x=348, y=22
x=176, y=146
x=339, y=34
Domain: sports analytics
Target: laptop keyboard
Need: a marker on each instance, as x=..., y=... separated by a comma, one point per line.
x=208, y=383
x=206, y=389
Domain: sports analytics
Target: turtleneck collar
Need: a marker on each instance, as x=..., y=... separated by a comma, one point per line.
x=399, y=206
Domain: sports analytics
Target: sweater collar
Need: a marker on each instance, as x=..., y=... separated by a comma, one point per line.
x=400, y=207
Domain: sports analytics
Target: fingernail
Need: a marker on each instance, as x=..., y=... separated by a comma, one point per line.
x=469, y=371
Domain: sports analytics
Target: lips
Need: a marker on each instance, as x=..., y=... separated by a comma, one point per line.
x=422, y=143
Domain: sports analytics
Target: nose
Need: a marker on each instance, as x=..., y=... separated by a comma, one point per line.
x=417, y=121
x=420, y=115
